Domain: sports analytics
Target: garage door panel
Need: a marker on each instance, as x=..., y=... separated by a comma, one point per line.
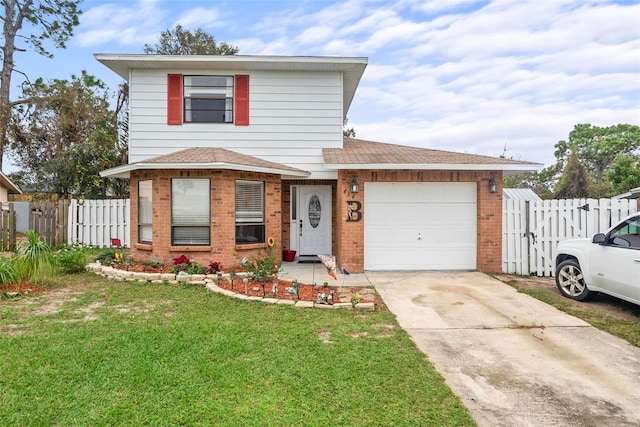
x=420, y=226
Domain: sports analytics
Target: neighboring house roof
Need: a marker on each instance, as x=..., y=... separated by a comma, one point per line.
x=205, y=158
x=351, y=67
x=520, y=194
x=360, y=154
x=634, y=193
x=10, y=186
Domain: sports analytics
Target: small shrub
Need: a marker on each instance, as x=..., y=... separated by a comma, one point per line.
x=355, y=299
x=182, y=263
x=35, y=260
x=214, y=267
x=262, y=267
x=7, y=271
x=106, y=257
x=71, y=259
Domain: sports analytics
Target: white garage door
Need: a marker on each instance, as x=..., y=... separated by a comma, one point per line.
x=420, y=226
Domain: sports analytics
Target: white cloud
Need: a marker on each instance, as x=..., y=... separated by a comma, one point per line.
x=112, y=23
x=200, y=18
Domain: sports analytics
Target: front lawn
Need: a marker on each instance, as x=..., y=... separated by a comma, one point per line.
x=117, y=353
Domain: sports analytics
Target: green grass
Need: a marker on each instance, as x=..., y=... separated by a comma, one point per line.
x=628, y=330
x=117, y=353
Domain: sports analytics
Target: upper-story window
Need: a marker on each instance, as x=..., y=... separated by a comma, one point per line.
x=208, y=99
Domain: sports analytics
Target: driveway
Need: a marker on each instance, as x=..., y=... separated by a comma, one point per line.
x=514, y=360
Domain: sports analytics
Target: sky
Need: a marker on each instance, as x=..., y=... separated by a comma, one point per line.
x=491, y=77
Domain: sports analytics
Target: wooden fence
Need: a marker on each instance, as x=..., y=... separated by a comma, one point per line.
x=7, y=227
x=49, y=220
x=532, y=229
x=95, y=222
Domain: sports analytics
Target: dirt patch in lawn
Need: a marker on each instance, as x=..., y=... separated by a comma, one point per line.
x=602, y=303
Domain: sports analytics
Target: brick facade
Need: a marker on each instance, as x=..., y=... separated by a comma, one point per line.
x=347, y=236
x=222, y=205
x=350, y=234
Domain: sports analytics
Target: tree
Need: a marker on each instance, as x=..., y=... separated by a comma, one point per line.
x=574, y=182
x=184, y=42
x=597, y=147
x=65, y=134
x=52, y=22
x=624, y=173
x=348, y=132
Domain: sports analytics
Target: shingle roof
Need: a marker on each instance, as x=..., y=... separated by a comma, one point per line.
x=206, y=158
x=357, y=153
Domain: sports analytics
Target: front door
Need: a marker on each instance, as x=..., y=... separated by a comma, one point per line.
x=315, y=219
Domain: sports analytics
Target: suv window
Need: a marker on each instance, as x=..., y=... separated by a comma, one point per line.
x=626, y=234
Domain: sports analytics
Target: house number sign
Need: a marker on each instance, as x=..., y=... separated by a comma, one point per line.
x=354, y=213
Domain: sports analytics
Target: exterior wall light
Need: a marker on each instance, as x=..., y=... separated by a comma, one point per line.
x=354, y=185
x=492, y=185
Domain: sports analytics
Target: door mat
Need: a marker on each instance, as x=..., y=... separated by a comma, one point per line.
x=308, y=259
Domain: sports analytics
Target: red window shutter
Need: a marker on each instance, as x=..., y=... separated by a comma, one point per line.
x=241, y=100
x=174, y=99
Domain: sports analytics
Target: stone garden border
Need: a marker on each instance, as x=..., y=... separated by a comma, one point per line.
x=210, y=281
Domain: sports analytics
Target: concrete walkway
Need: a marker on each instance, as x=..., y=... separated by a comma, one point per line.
x=513, y=360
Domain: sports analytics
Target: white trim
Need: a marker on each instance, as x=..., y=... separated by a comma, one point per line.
x=437, y=166
x=125, y=170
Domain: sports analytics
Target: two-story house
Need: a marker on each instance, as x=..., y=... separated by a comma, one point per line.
x=226, y=152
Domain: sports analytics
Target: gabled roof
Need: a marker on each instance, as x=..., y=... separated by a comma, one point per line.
x=205, y=158
x=10, y=186
x=352, y=68
x=360, y=154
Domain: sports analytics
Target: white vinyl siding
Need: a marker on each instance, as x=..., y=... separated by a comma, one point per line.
x=293, y=115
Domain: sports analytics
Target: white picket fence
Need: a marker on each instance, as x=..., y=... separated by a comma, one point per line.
x=532, y=229
x=95, y=222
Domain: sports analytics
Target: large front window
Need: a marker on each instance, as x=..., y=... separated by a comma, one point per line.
x=190, y=212
x=208, y=99
x=249, y=212
x=145, y=229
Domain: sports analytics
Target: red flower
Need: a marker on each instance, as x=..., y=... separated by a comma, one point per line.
x=181, y=260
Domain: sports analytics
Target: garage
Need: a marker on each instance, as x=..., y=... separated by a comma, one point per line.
x=420, y=225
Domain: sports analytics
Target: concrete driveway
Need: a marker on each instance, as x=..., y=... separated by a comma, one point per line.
x=513, y=360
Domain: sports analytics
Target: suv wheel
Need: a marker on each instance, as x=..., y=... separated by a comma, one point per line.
x=570, y=281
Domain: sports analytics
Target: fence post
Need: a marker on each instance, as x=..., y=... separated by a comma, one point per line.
x=7, y=228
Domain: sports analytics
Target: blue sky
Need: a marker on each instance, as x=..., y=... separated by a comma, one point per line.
x=458, y=75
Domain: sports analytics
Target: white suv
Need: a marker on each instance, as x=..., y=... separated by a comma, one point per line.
x=607, y=263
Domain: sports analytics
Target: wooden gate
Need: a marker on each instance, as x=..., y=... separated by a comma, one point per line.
x=7, y=227
x=49, y=220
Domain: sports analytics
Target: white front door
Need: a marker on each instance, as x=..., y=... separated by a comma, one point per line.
x=314, y=207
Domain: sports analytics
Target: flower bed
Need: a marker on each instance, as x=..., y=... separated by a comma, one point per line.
x=243, y=284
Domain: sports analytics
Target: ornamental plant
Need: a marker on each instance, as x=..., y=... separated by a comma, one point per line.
x=35, y=261
x=182, y=263
x=71, y=259
x=264, y=267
